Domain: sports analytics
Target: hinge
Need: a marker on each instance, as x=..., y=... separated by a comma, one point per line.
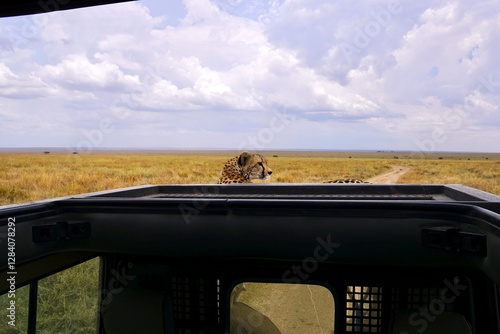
x=61, y=231
x=454, y=239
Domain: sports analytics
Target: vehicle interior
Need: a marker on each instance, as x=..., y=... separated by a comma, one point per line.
x=175, y=258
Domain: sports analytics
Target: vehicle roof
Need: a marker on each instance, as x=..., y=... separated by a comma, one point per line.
x=27, y=7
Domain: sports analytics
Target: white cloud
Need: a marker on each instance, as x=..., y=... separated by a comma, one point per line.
x=78, y=73
x=20, y=87
x=384, y=69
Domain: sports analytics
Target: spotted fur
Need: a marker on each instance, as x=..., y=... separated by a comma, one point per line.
x=346, y=181
x=244, y=168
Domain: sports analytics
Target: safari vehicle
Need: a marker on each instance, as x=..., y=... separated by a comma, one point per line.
x=396, y=259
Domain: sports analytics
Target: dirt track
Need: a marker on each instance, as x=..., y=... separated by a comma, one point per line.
x=389, y=178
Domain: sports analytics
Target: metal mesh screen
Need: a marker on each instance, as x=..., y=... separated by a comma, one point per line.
x=363, y=309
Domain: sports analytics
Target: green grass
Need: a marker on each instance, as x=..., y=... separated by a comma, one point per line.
x=67, y=302
x=21, y=312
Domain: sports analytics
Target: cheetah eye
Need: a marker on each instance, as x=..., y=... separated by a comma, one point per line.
x=260, y=163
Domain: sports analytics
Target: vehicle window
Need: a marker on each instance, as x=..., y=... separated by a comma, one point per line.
x=14, y=305
x=281, y=308
x=67, y=301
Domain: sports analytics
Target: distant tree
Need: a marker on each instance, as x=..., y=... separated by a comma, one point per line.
x=46, y=152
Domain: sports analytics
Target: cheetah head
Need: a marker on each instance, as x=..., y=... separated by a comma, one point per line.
x=254, y=166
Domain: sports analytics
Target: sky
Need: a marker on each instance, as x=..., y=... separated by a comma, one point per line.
x=254, y=75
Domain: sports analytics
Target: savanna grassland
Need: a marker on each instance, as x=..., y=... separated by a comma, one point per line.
x=67, y=301
x=28, y=177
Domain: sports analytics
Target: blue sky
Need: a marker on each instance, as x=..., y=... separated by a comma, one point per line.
x=255, y=75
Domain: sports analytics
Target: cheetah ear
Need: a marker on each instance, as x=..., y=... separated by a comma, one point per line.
x=243, y=158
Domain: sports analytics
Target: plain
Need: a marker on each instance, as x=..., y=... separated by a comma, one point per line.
x=67, y=301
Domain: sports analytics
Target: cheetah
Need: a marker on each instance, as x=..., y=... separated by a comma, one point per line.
x=346, y=181
x=245, y=167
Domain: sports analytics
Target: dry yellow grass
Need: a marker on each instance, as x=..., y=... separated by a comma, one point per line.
x=30, y=177
x=480, y=174
x=321, y=169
